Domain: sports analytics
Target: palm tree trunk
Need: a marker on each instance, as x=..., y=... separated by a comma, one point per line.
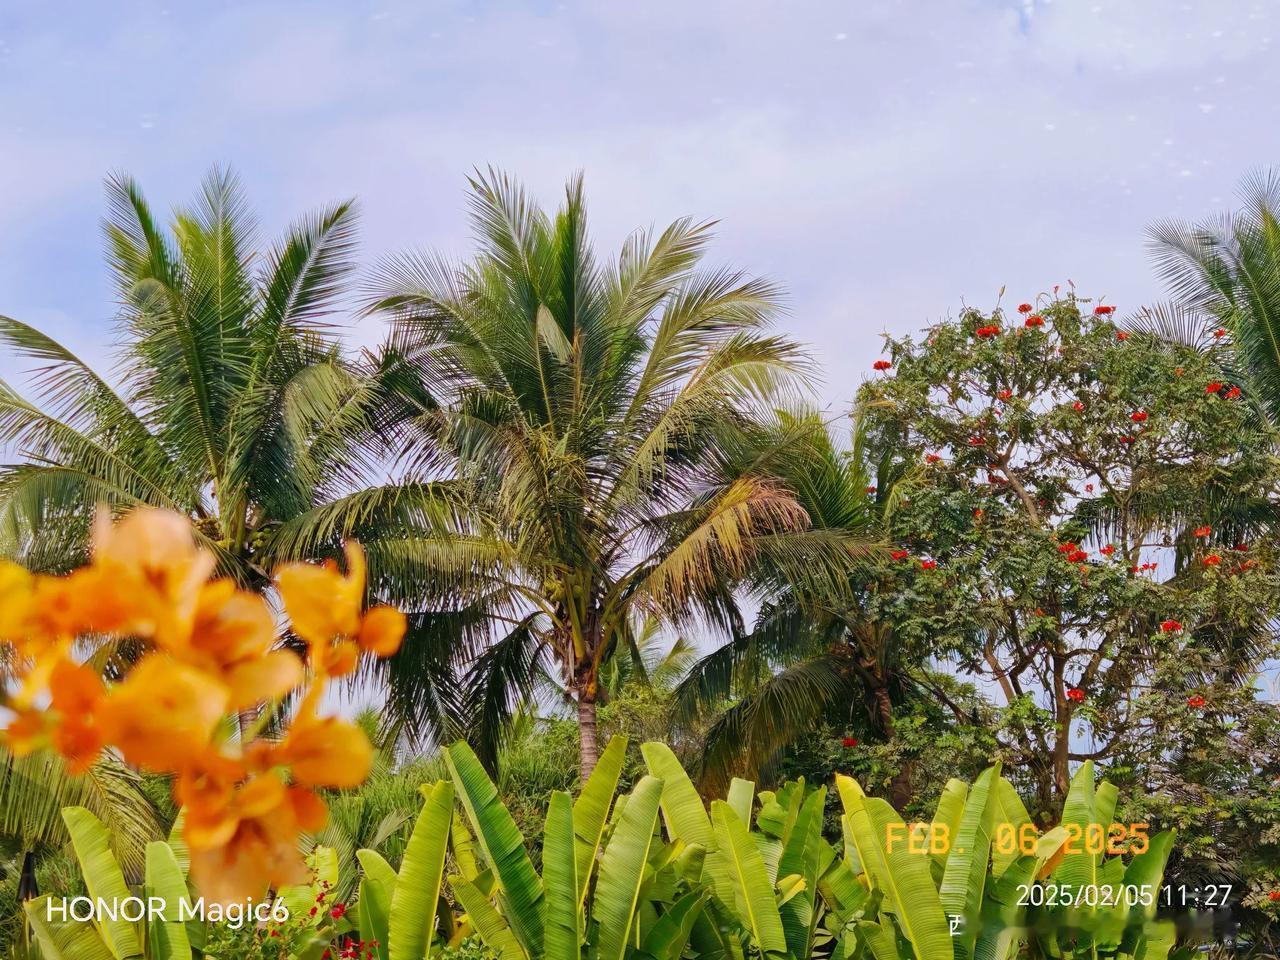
x=588, y=741
x=900, y=785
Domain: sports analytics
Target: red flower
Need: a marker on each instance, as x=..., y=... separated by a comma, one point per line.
x=849, y=742
x=1078, y=407
x=1024, y=308
x=1138, y=416
x=1232, y=393
x=1122, y=335
x=1034, y=321
x=1077, y=556
x=871, y=489
x=1220, y=332
x=1088, y=488
x=1148, y=566
x=1102, y=311
x=928, y=564
x=975, y=441
x=1004, y=394
x=1212, y=560
x=338, y=910
x=900, y=554
x=989, y=331
x=1241, y=547
x=931, y=458
x=882, y=365
x=1075, y=694
x=313, y=911
x=1133, y=569
x=1213, y=387
x=1196, y=701
x=1108, y=550
x=978, y=513
x=1067, y=547
x=1203, y=531
x=1170, y=626
x=1274, y=896
x=1126, y=439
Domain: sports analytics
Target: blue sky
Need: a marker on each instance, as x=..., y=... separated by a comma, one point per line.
x=885, y=162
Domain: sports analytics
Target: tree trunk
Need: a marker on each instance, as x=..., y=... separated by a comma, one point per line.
x=900, y=786
x=588, y=743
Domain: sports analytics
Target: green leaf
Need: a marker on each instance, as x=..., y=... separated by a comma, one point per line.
x=563, y=924
x=947, y=815
x=59, y=940
x=520, y=890
x=591, y=810
x=412, y=914
x=741, y=798
x=964, y=878
x=668, y=937
x=167, y=936
x=617, y=889
x=486, y=920
x=103, y=878
x=753, y=895
x=377, y=887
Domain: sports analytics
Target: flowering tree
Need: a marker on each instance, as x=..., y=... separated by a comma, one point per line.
x=208, y=653
x=1078, y=527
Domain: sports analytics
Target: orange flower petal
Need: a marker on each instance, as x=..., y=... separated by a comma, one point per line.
x=163, y=714
x=327, y=753
x=257, y=681
x=382, y=631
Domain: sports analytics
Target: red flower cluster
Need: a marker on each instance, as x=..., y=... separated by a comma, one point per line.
x=1004, y=394
x=1274, y=896
x=1138, y=416
x=338, y=910
x=1034, y=321
x=882, y=365
x=1220, y=332
x=1231, y=394
x=354, y=949
x=1024, y=308
x=1143, y=569
x=1102, y=311
x=1213, y=387
x=984, y=332
x=1088, y=488
x=1203, y=531
x=1240, y=547
x=900, y=554
x=978, y=514
x=1170, y=626
x=1108, y=550
x=931, y=458
x=849, y=742
x=1126, y=439
x=1196, y=701
x=1075, y=695
x=1212, y=560
x=1078, y=407
x=1121, y=335
x=928, y=564
x=871, y=489
x=975, y=441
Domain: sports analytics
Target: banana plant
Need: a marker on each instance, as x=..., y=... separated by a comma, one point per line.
x=159, y=935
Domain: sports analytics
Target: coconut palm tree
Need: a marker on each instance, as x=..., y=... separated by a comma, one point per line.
x=811, y=656
x=593, y=417
x=232, y=402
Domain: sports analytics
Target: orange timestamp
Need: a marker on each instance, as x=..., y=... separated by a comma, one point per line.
x=1009, y=838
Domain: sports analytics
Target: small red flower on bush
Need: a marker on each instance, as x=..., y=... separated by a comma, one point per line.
x=1078, y=407
x=1203, y=531
x=1024, y=308
x=1212, y=560
x=1241, y=548
x=1274, y=896
x=1232, y=393
x=338, y=910
x=1108, y=550
x=1102, y=311
x=1138, y=416
x=871, y=489
x=1067, y=547
x=900, y=554
x=1213, y=387
x=1122, y=335
x=1170, y=626
x=1126, y=439
x=849, y=742
x=975, y=441
x=1077, y=556
x=1075, y=694
x=931, y=458
x=1004, y=394
x=882, y=365
x=1034, y=321
x=984, y=332
x=1220, y=332
x=928, y=564
x=1088, y=488
x=978, y=513
x=1196, y=701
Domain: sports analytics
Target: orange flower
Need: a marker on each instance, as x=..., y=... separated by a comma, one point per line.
x=231, y=638
x=163, y=714
x=1212, y=560
x=382, y=631
x=323, y=751
x=149, y=562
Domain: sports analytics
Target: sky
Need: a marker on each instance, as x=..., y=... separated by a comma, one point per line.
x=886, y=163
